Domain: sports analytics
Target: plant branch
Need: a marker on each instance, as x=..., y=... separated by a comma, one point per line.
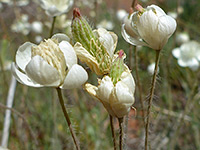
x=67, y=118
x=113, y=132
x=153, y=84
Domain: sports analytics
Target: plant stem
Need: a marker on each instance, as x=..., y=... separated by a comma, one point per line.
x=67, y=118
x=52, y=26
x=113, y=132
x=120, y=133
x=138, y=83
x=153, y=83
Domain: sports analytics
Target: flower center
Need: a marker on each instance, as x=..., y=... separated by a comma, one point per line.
x=51, y=53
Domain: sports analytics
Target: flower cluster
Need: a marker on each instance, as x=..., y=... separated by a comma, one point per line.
x=188, y=54
x=96, y=48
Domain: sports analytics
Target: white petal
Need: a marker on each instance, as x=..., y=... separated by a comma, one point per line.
x=166, y=26
x=106, y=40
x=128, y=80
x=105, y=88
x=60, y=37
x=193, y=64
x=123, y=101
x=75, y=77
x=23, y=55
x=23, y=78
x=176, y=52
x=69, y=53
x=130, y=39
x=159, y=11
x=41, y=72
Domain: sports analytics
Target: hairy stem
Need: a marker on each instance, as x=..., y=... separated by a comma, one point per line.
x=153, y=84
x=120, y=133
x=52, y=26
x=138, y=83
x=67, y=118
x=113, y=132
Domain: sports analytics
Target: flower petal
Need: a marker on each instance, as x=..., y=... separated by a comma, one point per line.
x=41, y=72
x=23, y=78
x=75, y=77
x=60, y=37
x=23, y=55
x=69, y=53
x=107, y=40
x=176, y=52
x=127, y=79
x=105, y=88
x=130, y=39
x=87, y=58
x=121, y=100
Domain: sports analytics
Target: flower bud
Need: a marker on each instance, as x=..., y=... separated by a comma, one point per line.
x=95, y=48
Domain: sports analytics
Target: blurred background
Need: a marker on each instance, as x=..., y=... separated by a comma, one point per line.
x=175, y=121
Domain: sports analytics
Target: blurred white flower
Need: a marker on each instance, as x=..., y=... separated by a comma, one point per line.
x=105, y=24
x=38, y=39
x=21, y=25
x=37, y=26
x=188, y=54
x=151, y=68
x=121, y=14
x=182, y=37
x=6, y=65
x=17, y=2
x=116, y=98
x=148, y=27
x=56, y=7
x=172, y=14
x=53, y=63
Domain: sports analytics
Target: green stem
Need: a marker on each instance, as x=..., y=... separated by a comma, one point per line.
x=138, y=83
x=113, y=132
x=67, y=118
x=120, y=133
x=52, y=26
x=153, y=84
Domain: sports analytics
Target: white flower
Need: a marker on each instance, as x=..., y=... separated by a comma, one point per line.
x=53, y=63
x=182, y=37
x=172, y=14
x=121, y=14
x=18, y=2
x=38, y=39
x=37, y=27
x=188, y=55
x=118, y=98
x=109, y=41
x=22, y=25
x=151, y=68
x=56, y=7
x=105, y=24
x=148, y=27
